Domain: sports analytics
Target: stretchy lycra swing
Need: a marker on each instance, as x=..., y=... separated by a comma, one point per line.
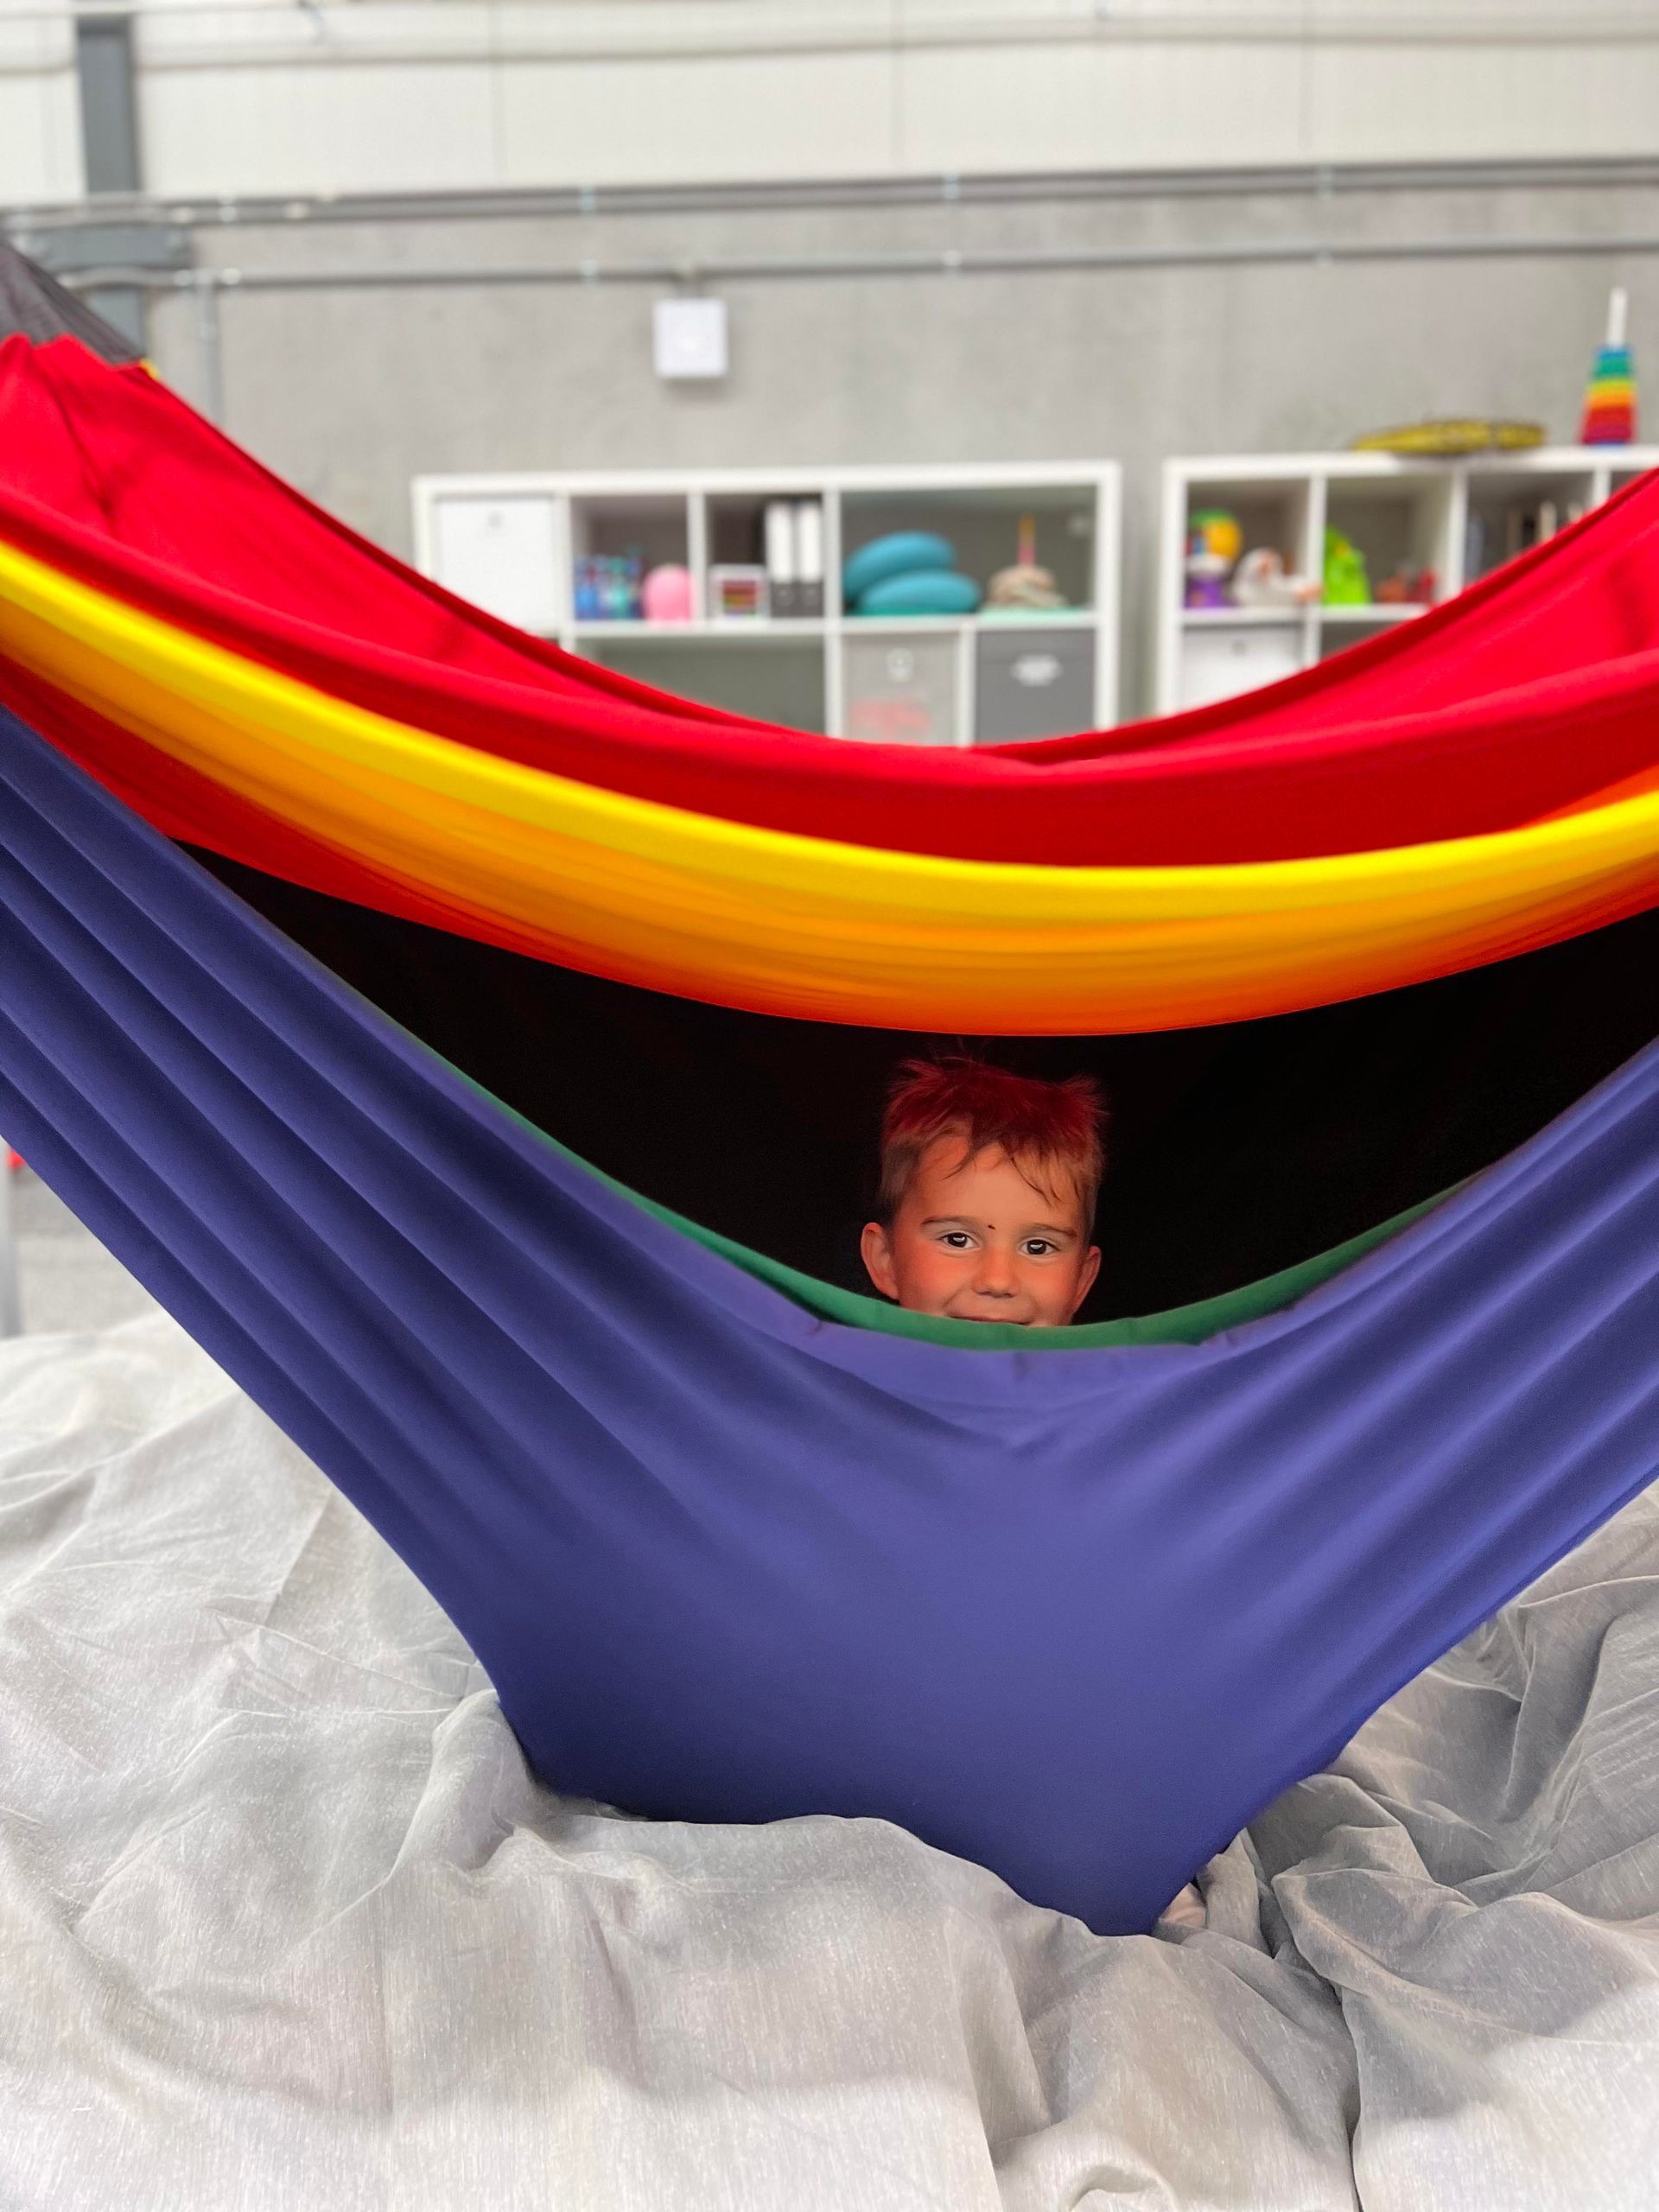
x=732, y=1542
x=1077, y=1614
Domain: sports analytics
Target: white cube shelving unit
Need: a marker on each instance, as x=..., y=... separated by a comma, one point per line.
x=1460, y=519
x=511, y=543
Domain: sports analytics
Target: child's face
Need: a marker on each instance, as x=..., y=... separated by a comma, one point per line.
x=976, y=1240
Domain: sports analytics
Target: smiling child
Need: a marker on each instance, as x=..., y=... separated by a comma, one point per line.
x=988, y=1184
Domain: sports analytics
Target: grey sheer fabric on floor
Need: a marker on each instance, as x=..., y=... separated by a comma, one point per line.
x=286, y=1921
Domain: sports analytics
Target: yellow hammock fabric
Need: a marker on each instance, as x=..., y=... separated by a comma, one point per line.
x=709, y=908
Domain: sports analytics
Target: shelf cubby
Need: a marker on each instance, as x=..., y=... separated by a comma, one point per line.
x=1402, y=523
x=832, y=671
x=780, y=676
x=1457, y=519
x=981, y=523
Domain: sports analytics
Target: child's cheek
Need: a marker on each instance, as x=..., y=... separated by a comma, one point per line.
x=941, y=1269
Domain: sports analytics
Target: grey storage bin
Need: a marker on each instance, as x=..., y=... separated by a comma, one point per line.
x=1033, y=683
x=900, y=689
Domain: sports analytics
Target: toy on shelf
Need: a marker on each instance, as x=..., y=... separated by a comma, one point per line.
x=739, y=591
x=924, y=592
x=665, y=595
x=1263, y=580
x=1449, y=436
x=1214, y=542
x=607, y=587
x=1408, y=586
x=1610, y=399
x=1347, y=582
x=1026, y=587
x=908, y=572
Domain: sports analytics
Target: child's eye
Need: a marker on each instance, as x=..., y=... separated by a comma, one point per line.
x=1040, y=1246
x=958, y=1239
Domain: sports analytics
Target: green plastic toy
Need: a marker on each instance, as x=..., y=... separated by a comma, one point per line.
x=1346, y=581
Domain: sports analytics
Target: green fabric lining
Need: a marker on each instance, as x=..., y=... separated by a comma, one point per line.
x=1183, y=1325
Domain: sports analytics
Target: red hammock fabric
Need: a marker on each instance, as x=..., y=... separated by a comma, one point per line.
x=1526, y=696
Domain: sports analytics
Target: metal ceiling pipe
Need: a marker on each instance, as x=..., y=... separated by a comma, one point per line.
x=1315, y=179
x=739, y=268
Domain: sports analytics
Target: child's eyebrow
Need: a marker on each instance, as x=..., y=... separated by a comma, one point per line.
x=972, y=1220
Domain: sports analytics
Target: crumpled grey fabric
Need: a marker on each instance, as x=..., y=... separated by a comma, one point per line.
x=285, y=1922
x=1477, y=1878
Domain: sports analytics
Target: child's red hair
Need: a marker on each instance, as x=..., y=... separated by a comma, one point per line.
x=1042, y=1127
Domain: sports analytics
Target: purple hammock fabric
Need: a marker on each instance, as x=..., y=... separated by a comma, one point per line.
x=1075, y=1614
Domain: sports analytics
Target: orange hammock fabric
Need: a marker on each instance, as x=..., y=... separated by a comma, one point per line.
x=256, y=680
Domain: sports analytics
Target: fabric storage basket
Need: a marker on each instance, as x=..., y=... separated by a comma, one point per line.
x=1033, y=683
x=901, y=690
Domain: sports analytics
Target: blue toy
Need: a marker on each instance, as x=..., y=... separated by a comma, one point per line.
x=901, y=552
x=922, y=591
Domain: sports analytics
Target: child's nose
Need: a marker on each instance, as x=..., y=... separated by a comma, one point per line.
x=994, y=1277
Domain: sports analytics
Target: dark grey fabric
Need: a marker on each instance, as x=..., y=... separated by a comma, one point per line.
x=40, y=309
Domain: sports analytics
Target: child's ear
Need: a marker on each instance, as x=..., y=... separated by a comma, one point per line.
x=877, y=1249
x=1086, y=1275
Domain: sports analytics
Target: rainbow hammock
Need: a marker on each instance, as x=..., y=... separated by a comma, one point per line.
x=333, y=912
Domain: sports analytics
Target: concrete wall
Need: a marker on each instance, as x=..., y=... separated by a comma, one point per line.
x=389, y=96
x=351, y=392
x=252, y=97
x=40, y=120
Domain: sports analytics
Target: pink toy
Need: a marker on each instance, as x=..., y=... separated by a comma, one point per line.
x=666, y=596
